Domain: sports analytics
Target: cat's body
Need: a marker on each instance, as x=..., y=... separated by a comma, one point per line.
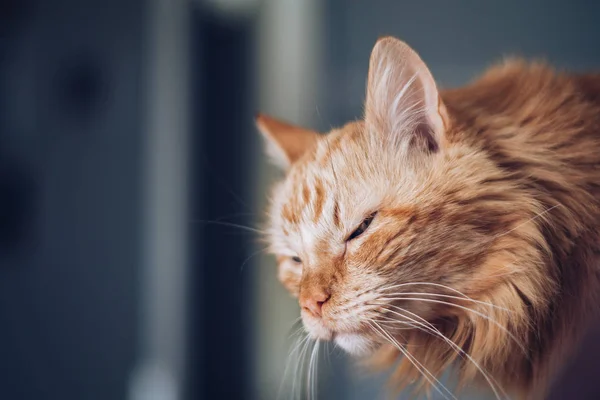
x=480, y=209
x=543, y=129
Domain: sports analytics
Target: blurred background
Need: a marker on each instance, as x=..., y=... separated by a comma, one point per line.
x=128, y=155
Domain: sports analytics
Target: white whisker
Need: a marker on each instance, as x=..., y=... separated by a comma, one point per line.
x=310, y=376
x=429, y=284
x=291, y=355
x=453, y=297
x=424, y=371
x=232, y=225
x=539, y=215
x=251, y=256
x=299, y=368
x=458, y=349
x=513, y=337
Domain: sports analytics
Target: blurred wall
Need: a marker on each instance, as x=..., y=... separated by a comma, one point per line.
x=70, y=143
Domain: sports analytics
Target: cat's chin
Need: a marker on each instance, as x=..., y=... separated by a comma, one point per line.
x=354, y=344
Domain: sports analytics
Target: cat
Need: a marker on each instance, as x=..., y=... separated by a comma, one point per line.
x=446, y=228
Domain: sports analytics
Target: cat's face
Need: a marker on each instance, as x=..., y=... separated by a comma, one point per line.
x=356, y=228
x=378, y=225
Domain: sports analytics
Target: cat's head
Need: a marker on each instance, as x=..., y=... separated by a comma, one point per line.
x=392, y=222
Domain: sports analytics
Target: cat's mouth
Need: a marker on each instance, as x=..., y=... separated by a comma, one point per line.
x=354, y=343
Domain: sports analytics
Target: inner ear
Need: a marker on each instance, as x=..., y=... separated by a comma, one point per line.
x=424, y=138
x=403, y=102
x=285, y=143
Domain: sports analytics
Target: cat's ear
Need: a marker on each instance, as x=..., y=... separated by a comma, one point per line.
x=402, y=98
x=285, y=142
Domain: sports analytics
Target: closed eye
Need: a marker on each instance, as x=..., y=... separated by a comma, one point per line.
x=364, y=225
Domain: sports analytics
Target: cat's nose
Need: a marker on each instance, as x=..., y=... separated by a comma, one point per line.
x=313, y=302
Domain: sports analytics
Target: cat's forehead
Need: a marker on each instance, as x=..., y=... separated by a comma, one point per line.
x=333, y=151
x=330, y=182
x=325, y=167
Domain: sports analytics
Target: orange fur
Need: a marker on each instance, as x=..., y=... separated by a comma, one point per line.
x=491, y=190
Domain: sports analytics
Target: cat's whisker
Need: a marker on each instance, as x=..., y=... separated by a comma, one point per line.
x=409, y=325
x=538, y=215
x=301, y=351
x=300, y=343
x=493, y=321
x=290, y=357
x=298, y=349
x=387, y=337
x=311, y=375
x=254, y=254
x=355, y=307
x=391, y=321
x=231, y=225
x=502, y=272
x=235, y=215
x=385, y=288
x=298, y=330
x=422, y=369
x=316, y=372
x=455, y=297
x=307, y=373
x=432, y=329
x=328, y=352
x=214, y=174
x=384, y=319
x=300, y=367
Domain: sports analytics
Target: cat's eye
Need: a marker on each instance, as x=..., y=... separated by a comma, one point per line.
x=296, y=259
x=364, y=225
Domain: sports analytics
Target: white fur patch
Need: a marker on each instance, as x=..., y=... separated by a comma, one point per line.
x=354, y=344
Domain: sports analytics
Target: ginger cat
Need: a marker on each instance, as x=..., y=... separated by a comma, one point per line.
x=456, y=227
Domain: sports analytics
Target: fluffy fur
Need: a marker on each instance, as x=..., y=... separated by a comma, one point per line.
x=483, y=251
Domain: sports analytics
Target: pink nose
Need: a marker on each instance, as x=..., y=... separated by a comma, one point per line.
x=313, y=302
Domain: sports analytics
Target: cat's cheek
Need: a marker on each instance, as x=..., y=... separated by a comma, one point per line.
x=289, y=274
x=355, y=345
